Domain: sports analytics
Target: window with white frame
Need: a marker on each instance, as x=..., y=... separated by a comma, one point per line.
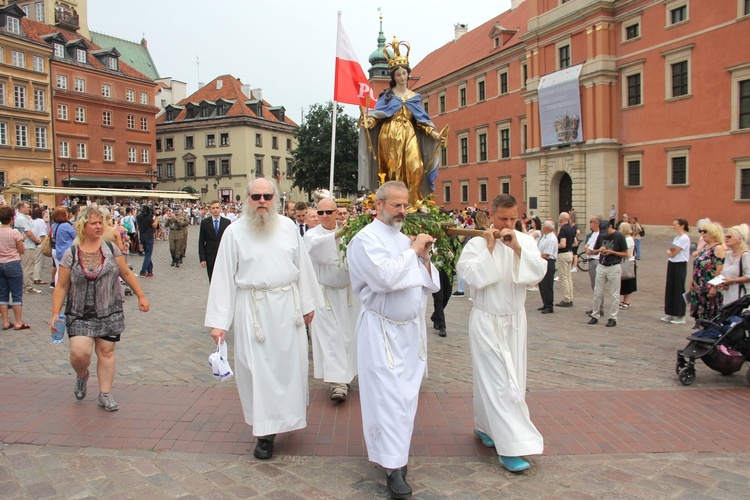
x=112, y=63
x=79, y=85
x=224, y=140
x=18, y=59
x=631, y=29
x=130, y=95
x=109, y=153
x=62, y=82
x=39, y=64
x=22, y=136
x=145, y=156
x=170, y=170
x=210, y=140
x=462, y=96
x=26, y=10
x=677, y=12
x=106, y=90
x=632, y=169
x=19, y=96
x=81, y=55
x=503, y=131
x=742, y=182
x=463, y=149
x=132, y=155
x=464, y=186
x=225, y=166
x=131, y=121
x=59, y=50
x=62, y=111
x=482, y=145
x=107, y=118
x=63, y=149
x=41, y=137
x=524, y=74
x=80, y=114
x=505, y=185
x=169, y=143
x=144, y=98
x=81, y=150
x=13, y=24
x=502, y=79
x=632, y=84
x=144, y=123
x=39, y=11
x=482, y=190
x=677, y=68
x=39, y=100
x=481, y=90
x=678, y=167
x=446, y=192
x=524, y=146
x=2, y=94
x=563, y=54
x=3, y=134
x=740, y=97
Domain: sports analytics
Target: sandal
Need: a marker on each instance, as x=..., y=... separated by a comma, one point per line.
x=23, y=326
x=624, y=305
x=8, y=326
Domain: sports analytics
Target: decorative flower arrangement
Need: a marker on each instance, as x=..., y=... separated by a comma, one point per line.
x=427, y=218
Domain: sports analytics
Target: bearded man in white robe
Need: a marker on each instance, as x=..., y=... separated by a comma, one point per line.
x=393, y=277
x=498, y=272
x=265, y=285
x=333, y=333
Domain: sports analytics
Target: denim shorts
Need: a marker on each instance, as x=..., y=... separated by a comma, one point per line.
x=11, y=284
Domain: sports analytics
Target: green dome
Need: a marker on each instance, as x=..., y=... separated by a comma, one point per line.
x=377, y=59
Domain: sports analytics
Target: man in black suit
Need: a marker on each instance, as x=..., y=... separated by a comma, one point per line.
x=211, y=230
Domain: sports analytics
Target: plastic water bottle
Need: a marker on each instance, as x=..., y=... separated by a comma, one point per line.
x=57, y=336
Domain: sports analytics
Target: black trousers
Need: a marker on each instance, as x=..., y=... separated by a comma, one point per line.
x=547, y=285
x=440, y=299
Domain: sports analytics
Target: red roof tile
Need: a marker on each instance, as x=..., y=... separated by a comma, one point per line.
x=471, y=47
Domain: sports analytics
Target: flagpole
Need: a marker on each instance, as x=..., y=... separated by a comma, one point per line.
x=333, y=146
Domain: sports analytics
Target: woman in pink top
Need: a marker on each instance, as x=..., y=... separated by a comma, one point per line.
x=11, y=273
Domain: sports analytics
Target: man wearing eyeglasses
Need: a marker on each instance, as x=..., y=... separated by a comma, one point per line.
x=393, y=276
x=264, y=284
x=334, y=340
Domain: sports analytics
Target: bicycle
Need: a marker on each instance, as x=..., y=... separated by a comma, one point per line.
x=583, y=261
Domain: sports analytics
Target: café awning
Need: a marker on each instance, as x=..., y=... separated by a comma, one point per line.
x=101, y=192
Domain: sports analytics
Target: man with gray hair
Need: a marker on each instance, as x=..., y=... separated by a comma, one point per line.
x=591, y=255
x=548, y=249
x=264, y=283
x=566, y=241
x=393, y=276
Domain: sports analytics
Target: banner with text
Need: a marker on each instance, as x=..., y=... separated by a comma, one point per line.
x=560, y=107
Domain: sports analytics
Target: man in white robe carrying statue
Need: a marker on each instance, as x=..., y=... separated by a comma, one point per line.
x=332, y=334
x=264, y=284
x=498, y=272
x=393, y=276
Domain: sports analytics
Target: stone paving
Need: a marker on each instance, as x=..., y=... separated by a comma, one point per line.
x=617, y=422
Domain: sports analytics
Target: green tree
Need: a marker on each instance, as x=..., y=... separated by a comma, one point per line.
x=312, y=158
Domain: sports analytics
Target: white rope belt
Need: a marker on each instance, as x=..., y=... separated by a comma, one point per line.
x=515, y=393
x=260, y=293
x=325, y=289
x=388, y=351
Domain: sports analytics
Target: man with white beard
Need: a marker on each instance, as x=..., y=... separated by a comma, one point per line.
x=393, y=277
x=264, y=284
x=334, y=341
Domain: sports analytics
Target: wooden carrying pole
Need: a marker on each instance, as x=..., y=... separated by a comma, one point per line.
x=451, y=230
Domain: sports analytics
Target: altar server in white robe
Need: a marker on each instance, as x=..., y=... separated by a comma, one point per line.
x=393, y=276
x=498, y=272
x=264, y=285
x=333, y=333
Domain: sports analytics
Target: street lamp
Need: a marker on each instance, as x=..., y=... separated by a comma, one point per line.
x=68, y=167
x=151, y=174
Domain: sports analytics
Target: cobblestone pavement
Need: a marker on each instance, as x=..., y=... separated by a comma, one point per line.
x=584, y=381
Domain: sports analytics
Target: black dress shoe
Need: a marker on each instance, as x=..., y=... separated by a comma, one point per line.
x=547, y=311
x=593, y=321
x=397, y=485
x=264, y=448
x=541, y=308
x=442, y=332
x=177, y=264
x=435, y=326
x=172, y=264
x=611, y=322
x=588, y=313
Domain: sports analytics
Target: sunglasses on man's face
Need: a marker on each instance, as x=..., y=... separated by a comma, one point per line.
x=327, y=212
x=265, y=196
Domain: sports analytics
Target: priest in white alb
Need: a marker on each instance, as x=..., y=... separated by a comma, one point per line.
x=393, y=276
x=264, y=284
x=333, y=333
x=499, y=272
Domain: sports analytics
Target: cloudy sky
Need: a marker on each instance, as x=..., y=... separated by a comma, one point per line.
x=285, y=47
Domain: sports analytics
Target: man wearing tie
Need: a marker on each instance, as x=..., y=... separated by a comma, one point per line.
x=300, y=209
x=211, y=230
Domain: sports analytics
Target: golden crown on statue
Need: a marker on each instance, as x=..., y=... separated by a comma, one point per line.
x=396, y=59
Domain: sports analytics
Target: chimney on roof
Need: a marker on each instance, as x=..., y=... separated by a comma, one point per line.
x=144, y=42
x=200, y=85
x=219, y=84
x=515, y=3
x=257, y=94
x=459, y=30
x=247, y=91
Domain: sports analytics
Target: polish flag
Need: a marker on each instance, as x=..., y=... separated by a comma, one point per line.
x=351, y=85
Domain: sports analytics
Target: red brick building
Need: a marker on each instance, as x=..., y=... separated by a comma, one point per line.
x=664, y=95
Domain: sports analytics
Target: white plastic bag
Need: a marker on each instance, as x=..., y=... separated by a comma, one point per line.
x=219, y=363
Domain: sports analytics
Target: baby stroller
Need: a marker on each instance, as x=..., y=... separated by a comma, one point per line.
x=723, y=344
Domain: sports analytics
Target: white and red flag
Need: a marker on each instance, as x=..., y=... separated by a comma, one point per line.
x=351, y=85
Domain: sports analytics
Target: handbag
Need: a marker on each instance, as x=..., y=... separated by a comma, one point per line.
x=47, y=246
x=628, y=269
x=219, y=363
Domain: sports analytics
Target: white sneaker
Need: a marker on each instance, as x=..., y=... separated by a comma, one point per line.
x=668, y=318
x=33, y=290
x=678, y=320
x=574, y=270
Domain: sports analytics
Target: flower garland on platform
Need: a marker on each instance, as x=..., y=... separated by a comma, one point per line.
x=427, y=219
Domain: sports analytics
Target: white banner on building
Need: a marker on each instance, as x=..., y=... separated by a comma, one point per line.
x=560, y=107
